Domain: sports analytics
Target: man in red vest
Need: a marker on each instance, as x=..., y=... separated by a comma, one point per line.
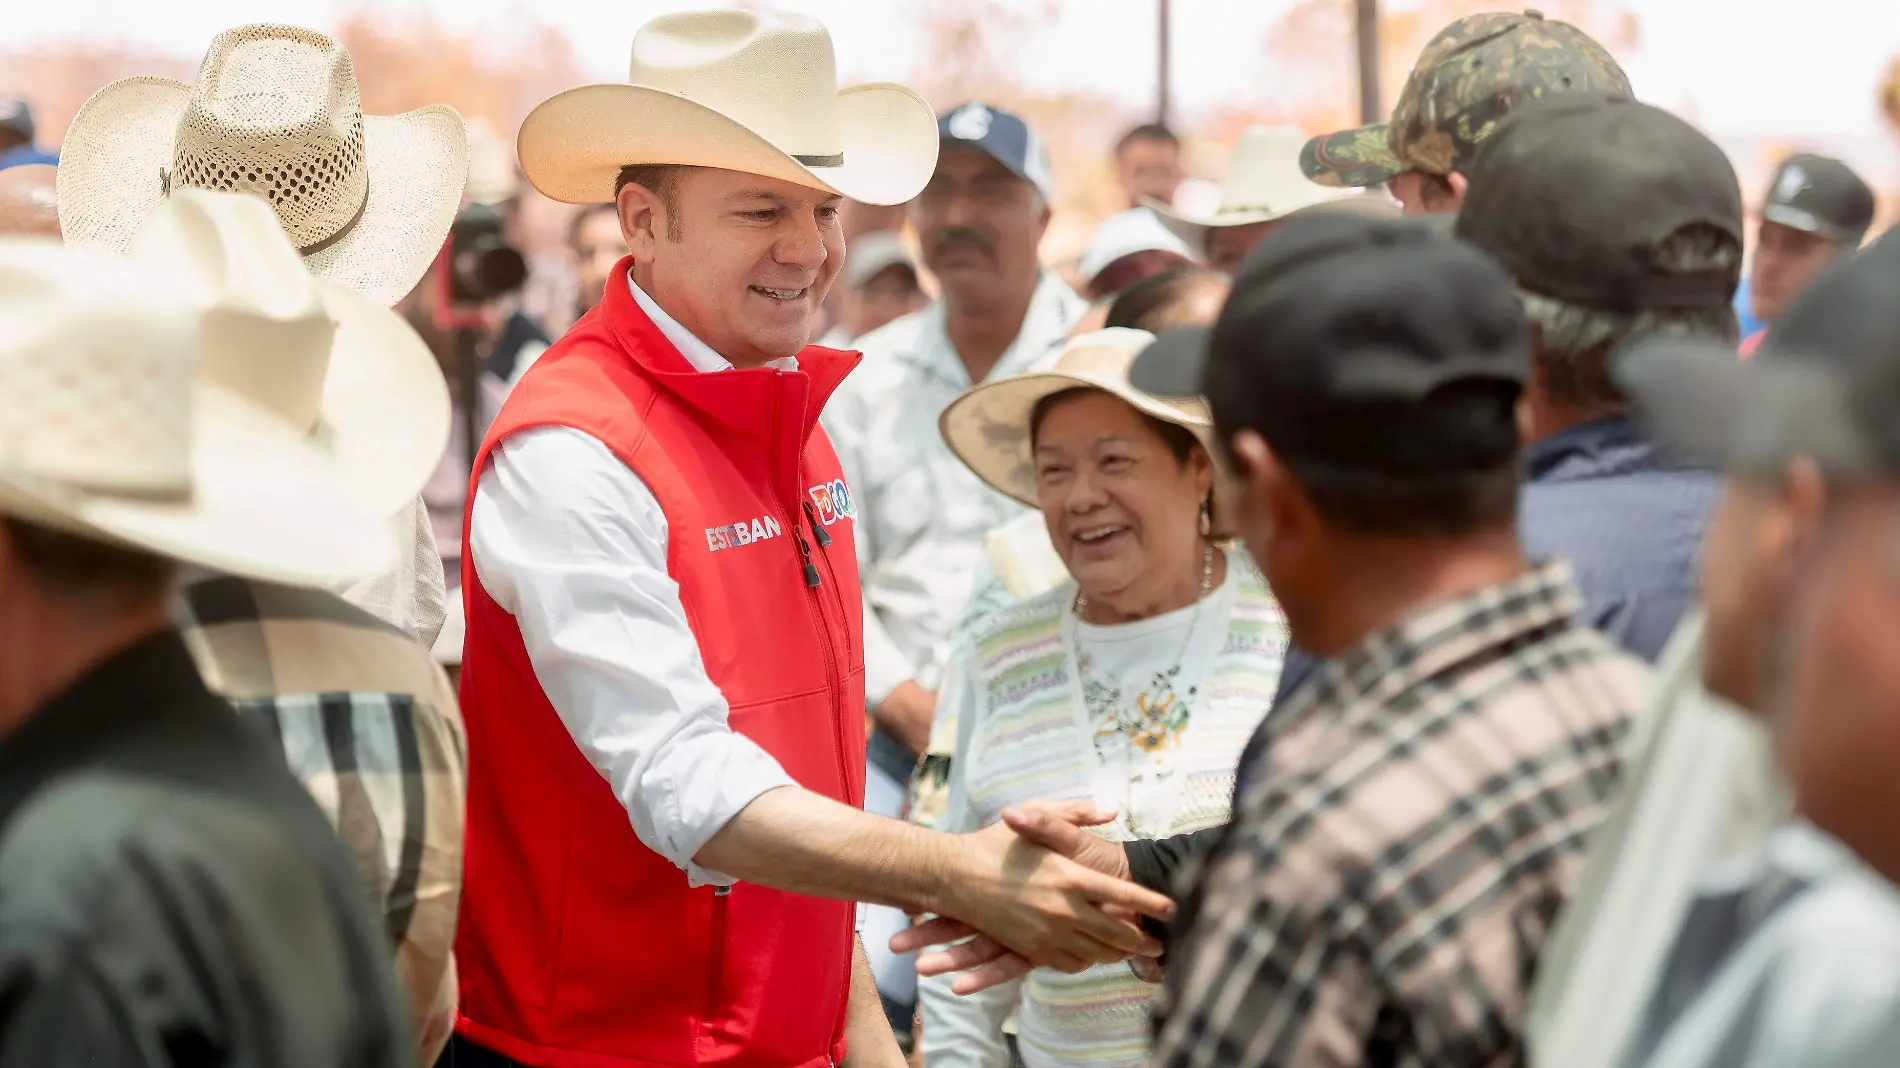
x=663, y=674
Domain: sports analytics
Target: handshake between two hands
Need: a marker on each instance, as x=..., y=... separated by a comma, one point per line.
x=1045, y=910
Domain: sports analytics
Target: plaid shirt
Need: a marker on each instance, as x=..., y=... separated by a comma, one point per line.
x=1389, y=880
x=370, y=725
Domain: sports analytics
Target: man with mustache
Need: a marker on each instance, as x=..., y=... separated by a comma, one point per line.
x=921, y=513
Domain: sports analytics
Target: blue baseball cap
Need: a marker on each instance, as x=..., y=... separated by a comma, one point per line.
x=1006, y=137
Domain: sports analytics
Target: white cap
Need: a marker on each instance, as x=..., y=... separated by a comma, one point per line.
x=1124, y=234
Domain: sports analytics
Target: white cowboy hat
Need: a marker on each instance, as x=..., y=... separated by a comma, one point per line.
x=1263, y=183
x=749, y=91
x=275, y=111
x=988, y=426
x=108, y=433
x=330, y=362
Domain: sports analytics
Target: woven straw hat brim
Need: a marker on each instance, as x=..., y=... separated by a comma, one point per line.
x=264, y=505
x=385, y=414
x=573, y=145
x=988, y=429
x=124, y=135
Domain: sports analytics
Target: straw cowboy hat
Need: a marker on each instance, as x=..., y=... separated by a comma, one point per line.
x=107, y=432
x=1263, y=183
x=275, y=111
x=988, y=426
x=750, y=91
x=333, y=364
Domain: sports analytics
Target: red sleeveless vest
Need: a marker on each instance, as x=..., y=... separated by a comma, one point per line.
x=579, y=947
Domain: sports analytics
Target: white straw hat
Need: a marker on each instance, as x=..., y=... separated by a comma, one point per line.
x=333, y=364
x=749, y=91
x=1263, y=183
x=275, y=111
x=988, y=426
x=107, y=432
x=1126, y=233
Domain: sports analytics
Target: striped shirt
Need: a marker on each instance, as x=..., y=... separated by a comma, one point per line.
x=1389, y=880
x=369, y=724
x=1027, y=731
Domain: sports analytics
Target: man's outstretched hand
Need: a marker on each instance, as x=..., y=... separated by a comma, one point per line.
x=1077, y=903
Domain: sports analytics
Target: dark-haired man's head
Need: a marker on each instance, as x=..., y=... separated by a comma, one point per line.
x=1148, y=163
x=1183, y=296
x=1363, y=376
x=1618, y=221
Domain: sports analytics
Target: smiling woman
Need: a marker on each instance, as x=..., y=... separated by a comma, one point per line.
x=1135, y=685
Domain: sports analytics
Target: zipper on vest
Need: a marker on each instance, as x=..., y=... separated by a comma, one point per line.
x=804, y=550
x=817, y=530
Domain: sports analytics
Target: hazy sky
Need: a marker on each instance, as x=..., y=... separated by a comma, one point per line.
x=1779, y=68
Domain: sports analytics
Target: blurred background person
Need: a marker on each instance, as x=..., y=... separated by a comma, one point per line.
x=1263, y=185
x=29, y=205
x=172, y=894
x=1787, y=956
x=594, y=238
x=16, y=136
x=1128, y=247
x=879, y=284
x=1816, y=211
x=1148, y=164
x=1134, y=684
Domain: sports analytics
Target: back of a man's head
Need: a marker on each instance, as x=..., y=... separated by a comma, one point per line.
x=1380, y=364
x=1183, y=296
x=1617, y=221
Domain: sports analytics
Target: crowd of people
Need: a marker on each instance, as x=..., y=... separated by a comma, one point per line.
x=1400, y=617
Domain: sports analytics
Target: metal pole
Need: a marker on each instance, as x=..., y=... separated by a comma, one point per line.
x=1163, y=103
x=1370, y=110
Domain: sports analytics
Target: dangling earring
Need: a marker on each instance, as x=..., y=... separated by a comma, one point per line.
x=1207, y=519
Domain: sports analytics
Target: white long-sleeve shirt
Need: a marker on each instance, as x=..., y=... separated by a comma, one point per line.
x=572, y=543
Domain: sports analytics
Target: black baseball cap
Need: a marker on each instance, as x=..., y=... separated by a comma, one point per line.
x=1006, y=136
x=1819, y=195
x=1825, y=383
x=1575, y=193
x=1338, y=330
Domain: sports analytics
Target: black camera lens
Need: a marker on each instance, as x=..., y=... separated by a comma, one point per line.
x=483, y=264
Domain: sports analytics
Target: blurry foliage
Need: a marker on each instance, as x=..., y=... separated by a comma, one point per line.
x=1890, y=94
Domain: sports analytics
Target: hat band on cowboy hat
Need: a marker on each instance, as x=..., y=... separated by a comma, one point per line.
x=748, y=91
x=115, y=438
x=988, y=426
x=276, y=112
x=337, y=366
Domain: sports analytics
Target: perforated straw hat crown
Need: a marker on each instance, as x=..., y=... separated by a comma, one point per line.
x=749, y=91
x=1263, y=183
x=275, y=112
x=108, y=433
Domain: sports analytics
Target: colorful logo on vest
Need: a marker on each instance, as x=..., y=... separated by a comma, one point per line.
x=726, y=537
x=833, y=500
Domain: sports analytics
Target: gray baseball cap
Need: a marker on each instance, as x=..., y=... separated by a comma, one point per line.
x=1825, y=383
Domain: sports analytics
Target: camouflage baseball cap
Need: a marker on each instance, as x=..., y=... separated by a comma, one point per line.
x=1468, y=78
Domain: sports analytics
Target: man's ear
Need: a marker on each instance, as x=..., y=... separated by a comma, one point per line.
x=1459, y=183
x=642, y=220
